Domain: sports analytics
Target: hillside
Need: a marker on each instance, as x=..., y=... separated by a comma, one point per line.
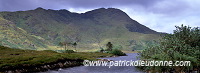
x=16, y=37
x=44, y=29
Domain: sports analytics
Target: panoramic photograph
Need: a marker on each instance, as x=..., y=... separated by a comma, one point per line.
x=99, y=36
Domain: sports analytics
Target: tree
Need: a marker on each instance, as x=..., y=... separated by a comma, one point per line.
x=74, y=45
x=65, y=44
x=62, y=44
x=182, y=45
x=109, y=46
x=101, y=50
x=71, y=40
x=75, y=38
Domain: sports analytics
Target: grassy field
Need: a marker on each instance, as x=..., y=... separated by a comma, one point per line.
x=16, y=58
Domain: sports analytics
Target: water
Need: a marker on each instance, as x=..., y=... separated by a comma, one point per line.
x=103, y=69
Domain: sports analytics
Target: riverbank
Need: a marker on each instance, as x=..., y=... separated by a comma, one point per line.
x=104, y=69
x=131, y=51
x=17, y=60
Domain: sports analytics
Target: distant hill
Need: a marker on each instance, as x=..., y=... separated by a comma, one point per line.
x=44, y=29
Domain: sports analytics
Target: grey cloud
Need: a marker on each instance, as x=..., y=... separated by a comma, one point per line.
x=154, y=13
x=95, y=3
x=13, y=5
x=150, y=5
x=168, y=7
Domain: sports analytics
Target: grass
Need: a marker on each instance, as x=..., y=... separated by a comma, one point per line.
x=16, y=58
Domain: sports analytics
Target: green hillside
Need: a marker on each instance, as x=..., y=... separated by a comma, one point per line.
x=16, y=37
x=44, y=29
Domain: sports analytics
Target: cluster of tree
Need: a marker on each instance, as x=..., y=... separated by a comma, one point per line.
x=72, y=41
x=182, y=45
x=109, y=49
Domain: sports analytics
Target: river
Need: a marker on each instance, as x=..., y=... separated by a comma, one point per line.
x=103, y=69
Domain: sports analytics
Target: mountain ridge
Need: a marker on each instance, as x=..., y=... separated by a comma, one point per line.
x=56, y=26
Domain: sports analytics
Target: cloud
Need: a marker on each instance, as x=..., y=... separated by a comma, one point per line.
x=169, y=7
x=12, y=5
x=160, y=15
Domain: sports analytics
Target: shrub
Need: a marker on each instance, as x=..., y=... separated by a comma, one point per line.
x=117, y=47
x=117, y=52
x=69, y=51
x=182, y=45
x=51, y=51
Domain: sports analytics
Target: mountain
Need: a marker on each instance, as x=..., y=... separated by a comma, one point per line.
x=16, y=37
x=44, y=29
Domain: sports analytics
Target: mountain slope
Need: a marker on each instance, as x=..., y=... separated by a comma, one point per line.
x=15, y=37
x=94, y=28
x=116, y=16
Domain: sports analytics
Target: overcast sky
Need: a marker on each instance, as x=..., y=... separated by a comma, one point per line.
x=159, y=15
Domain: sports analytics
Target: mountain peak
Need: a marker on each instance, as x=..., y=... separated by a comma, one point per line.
x=40, y=8
x=110, y=13
x=108, y=10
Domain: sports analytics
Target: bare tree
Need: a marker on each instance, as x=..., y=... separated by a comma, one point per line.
x=74, y=38
x=70, y=39
x=65, y=44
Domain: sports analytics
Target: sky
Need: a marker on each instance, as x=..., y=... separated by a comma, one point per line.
x=159, y=15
